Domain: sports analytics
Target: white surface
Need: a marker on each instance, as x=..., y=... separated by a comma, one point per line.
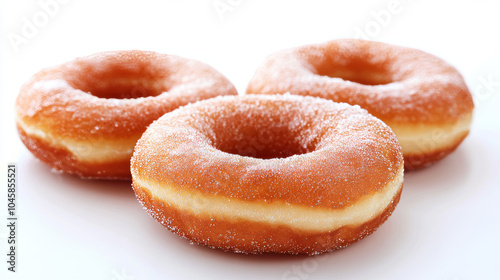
x=447, y=225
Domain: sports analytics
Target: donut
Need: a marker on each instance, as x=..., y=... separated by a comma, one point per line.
x=269, y=173
x=84, y=117
x=422, y=98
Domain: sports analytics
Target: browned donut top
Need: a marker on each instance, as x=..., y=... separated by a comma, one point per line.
x=115, y=94
x=293, y=149
x=396, y=84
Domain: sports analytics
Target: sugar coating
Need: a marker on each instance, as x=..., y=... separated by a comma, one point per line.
x=265, y=151
x=395, y=84
x=64, y=97
x=268, y=148
x=413, y=92
x=111, y=96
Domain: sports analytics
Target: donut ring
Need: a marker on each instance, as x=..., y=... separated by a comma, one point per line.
x=422, y=98
x=279, y=173
x=84, y=117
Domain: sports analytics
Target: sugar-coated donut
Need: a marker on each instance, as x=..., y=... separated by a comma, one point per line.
x=85, y=116
x=422, y=98
x=269, y=173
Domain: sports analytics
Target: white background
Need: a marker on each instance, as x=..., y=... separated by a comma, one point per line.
x=447, y=225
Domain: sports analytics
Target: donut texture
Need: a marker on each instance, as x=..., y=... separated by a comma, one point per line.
x=277, y=173
x=85, y=116
x=422, y=98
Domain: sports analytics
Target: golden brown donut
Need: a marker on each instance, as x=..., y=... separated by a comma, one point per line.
x=84, y=117
x=277, y=173
x=422, y=98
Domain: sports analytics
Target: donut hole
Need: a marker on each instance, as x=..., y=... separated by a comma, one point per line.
x=258, y=138
x=359, y=71
x=364, y=77
x=120, y=81
x=268, y=143
x=125, y=89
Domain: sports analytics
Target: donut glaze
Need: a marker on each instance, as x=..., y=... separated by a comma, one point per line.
x=422, y=98
x=85, y=116
x=277, y=173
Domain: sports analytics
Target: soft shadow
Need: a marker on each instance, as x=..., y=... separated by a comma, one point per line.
x=383, y=248
x=50, y=180
x=113, y=188
x=457, y=171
